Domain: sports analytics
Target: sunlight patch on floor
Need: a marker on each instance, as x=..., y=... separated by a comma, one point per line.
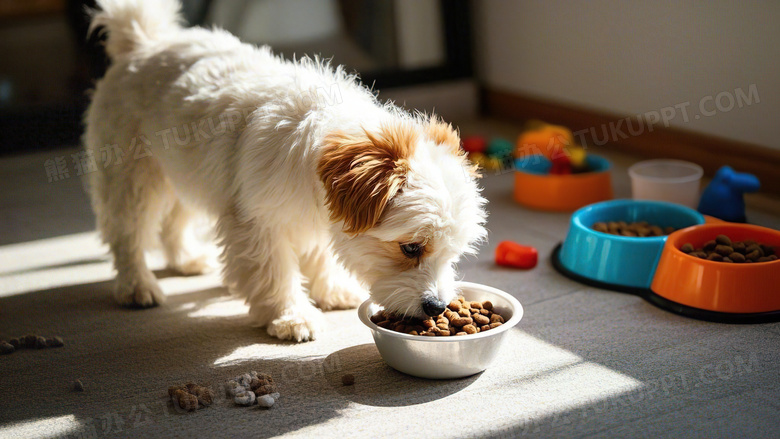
x=51, y=251
x=186, y=306
x=54, y=262
x=530, y=380
x=227, y=308
x=19, y=283
x=42, y=428
x=260, y=351
x=284, y=351
x=174, y=286
x=80, y=259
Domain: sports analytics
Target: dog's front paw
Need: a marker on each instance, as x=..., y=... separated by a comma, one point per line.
x=345, y=294
x=141, y=293
x=297, y=324
x=193, y=267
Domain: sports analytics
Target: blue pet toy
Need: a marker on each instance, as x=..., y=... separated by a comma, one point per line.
x=723, y=199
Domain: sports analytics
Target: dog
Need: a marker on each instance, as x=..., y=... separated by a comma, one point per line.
x=319, y=199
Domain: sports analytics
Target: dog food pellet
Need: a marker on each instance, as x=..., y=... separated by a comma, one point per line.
x=469, y=329
x=251, y=388
x=30, y=341
x=481, y=320
x=6, y=348
x=265, y=389
x=183, y=399
x=191, y=396
x=245, y=398
x=55, y=342
x=78, y=386
x=737, y=257
x=205, y=395
x=723, y=249
x=460, y=318
x=463, y=321
x=348, y=379
x=233, y=387
x=640, y=229
x=266, y=401
x=723, y=240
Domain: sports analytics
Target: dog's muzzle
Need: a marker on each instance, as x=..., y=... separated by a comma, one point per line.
x=433, y=306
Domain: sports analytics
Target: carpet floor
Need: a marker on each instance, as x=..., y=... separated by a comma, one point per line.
x=583, y=362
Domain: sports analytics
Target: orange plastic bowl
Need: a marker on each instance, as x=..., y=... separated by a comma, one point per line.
x=564, y=192
x=719, y=286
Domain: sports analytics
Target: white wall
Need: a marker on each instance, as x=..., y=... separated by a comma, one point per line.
x=633, y=57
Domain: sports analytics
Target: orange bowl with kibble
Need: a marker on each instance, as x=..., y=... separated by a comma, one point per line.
x=697, y=278
x=445, y=357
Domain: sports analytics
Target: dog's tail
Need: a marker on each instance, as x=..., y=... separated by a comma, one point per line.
x=132, y=23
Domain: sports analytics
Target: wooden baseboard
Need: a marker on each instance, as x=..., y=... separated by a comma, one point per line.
x=596, y=128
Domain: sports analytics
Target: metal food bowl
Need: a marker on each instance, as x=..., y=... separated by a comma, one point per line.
x=446, y=357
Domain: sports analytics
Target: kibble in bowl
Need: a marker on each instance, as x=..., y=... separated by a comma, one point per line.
x=705, y=267
x=618, y=256
x=636, y=229
x=724, y=249
x=462, y=317
x=443, y=357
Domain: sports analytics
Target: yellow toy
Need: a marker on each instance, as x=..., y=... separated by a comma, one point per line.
x=555, y=142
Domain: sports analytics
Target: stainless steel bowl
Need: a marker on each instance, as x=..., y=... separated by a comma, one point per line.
x=446, y=357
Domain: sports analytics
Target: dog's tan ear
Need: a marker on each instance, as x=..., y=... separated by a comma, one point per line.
x=444, y=134
x=361, y=173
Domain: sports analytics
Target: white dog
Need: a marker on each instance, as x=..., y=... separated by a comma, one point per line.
x=315, y=194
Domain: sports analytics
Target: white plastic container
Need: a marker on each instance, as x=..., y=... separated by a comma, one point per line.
x=675, y=181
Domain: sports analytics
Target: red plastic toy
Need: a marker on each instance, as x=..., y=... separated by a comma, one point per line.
x=561, y=164
x=474, y=144
x=512, y=254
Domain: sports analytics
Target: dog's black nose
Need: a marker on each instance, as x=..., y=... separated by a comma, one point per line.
x=433, y=306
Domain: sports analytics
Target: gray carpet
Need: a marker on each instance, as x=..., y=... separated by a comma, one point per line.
x=582, y=363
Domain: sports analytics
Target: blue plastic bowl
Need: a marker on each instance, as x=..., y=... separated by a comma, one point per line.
x=620, y=261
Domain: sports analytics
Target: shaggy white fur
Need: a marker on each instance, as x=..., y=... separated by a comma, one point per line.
x=318, y=190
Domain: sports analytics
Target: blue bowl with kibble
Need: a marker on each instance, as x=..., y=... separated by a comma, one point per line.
x=623, y=263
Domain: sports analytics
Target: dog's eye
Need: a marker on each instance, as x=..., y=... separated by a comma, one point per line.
x=412, y=250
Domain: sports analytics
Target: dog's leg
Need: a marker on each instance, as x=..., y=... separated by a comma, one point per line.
x=128, y=200
x=331, y=285
x=261, y=266
x=179, y=245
